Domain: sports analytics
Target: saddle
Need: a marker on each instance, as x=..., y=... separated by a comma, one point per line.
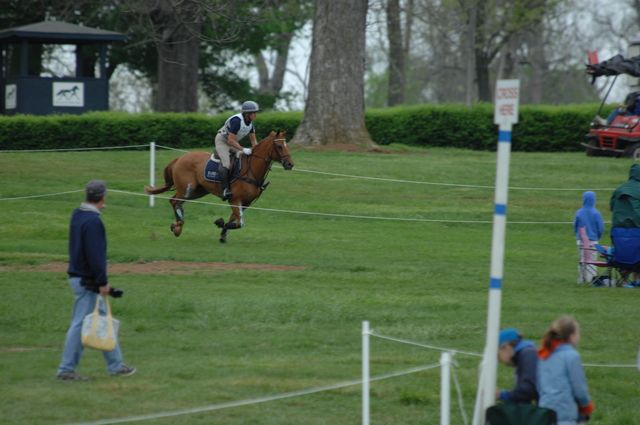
x=212, y=165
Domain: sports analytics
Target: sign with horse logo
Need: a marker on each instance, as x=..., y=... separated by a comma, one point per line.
x=10, y=96
x=68, y=94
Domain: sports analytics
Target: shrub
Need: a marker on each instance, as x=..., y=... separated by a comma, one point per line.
x=540, y=128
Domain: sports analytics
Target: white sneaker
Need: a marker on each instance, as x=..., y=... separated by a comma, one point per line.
x=600, y=121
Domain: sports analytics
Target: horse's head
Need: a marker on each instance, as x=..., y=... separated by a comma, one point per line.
x=280, y=151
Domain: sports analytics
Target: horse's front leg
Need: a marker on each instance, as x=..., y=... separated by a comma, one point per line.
x=236, y=221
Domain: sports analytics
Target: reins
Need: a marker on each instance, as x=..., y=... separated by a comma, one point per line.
x=268, y=161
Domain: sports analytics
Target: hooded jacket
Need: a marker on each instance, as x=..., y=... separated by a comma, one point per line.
x=589, y=218
x=525, y=359
x=625, y=201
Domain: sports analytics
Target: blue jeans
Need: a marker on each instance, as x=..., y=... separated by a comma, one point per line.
x=84, y=304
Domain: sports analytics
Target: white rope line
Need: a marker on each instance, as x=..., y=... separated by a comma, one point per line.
x=369, y=217
x=468, y=353
x=445, y=184
x=608, y=365
x=74, y=149
x=170, y=148
x=258, y=400
x=366, y=217
x=41, y=196
x=465, y=420
x=473, y=186
x=432, y=347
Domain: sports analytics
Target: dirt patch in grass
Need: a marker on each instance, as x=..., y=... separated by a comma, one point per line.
x=161, y=267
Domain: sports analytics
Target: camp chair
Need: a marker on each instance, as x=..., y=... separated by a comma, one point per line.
x=625, y=256
x=519, y=414
x=595, y=265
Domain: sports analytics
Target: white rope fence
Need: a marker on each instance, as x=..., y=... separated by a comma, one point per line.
x=389, y=180
x=474, y=354
x=75, y=149
x=313, y=213
x=258, y=400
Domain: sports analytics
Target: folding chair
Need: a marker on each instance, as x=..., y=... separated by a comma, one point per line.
x=594, y=265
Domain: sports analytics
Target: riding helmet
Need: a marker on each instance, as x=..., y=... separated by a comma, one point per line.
x=250, y=106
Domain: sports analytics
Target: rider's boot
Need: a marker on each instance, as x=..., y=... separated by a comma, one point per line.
x=224, y=178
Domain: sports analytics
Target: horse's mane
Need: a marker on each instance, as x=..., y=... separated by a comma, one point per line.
x=267, y=141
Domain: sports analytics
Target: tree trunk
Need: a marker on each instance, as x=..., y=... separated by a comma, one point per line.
x=178, y=49
x=539, y=67
x=470, y=52
x=334, y=111
x=395, y=95
x=537, y=57
x=272, y=84
x=482, y=60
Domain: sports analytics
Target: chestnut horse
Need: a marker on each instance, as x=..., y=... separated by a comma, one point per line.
x=185, y=174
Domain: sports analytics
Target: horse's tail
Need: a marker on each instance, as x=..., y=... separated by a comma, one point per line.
x=168, y=181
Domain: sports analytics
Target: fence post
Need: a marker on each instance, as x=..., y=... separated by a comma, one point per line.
x=365, y=373
x=152, y=170
x=445, y=387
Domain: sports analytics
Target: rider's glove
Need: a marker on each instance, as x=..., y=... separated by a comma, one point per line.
x=246, y=151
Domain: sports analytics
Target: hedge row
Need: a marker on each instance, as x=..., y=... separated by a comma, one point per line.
x=540, y=128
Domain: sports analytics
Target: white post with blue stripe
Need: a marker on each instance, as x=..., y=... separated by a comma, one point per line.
x=505, y=115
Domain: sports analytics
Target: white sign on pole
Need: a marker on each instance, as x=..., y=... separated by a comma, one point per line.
x=506, y=114
x=506, y=101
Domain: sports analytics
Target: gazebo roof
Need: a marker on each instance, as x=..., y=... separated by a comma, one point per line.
x=58, y=32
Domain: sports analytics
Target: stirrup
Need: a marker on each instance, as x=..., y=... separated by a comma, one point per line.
x=226, y=194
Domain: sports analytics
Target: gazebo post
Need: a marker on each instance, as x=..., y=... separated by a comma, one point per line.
x=103, y=61
x=24, y=58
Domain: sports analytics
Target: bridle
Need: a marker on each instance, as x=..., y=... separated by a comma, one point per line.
x=268, y=161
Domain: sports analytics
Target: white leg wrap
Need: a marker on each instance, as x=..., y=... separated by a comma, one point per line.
x=241, y=215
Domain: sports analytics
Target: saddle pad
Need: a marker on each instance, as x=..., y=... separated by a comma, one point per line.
x=211, y=170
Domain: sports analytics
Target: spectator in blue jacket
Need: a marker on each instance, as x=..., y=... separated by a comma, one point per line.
x=88, y=277
x=588, y=226
x=521, y=354
x=561, y=380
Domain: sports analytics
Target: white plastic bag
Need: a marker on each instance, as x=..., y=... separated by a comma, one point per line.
x=98, y=331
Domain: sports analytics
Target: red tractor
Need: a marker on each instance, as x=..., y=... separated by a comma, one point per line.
x=620, y=138
x=619, y=135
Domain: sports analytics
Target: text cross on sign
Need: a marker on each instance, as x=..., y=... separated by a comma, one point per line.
x=507, y=99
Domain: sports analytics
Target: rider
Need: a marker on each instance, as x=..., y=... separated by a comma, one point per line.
x=235, y=129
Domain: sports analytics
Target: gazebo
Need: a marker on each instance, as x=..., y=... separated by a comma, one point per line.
x=25, y=89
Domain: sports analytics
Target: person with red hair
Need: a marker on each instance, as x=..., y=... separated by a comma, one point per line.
x=562, y=385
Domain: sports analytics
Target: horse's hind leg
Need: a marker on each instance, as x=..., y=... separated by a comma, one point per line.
x=176, y=203
x=176, y=227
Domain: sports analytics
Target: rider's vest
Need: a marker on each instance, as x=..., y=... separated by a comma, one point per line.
x=244, y=128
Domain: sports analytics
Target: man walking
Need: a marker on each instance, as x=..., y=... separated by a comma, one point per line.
x=88, y=277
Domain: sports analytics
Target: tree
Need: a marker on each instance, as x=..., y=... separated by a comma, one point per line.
x=177, y=28
x=395, y=95
x=334, y=111
x=278, y=25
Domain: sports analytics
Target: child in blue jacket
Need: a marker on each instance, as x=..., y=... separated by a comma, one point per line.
x=588, y=227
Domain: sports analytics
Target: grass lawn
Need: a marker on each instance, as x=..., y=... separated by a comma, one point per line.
x=418, y=269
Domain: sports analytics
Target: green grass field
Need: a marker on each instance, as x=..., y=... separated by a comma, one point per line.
x=238, y=333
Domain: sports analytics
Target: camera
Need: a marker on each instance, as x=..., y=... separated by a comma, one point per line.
x=116, y=293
